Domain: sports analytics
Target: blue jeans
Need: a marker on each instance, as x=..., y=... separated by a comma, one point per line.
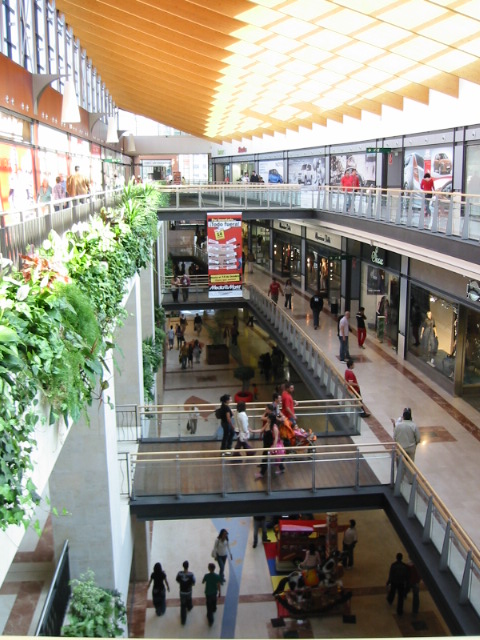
x=186, y=604
x=222, y=561
x=344, y=352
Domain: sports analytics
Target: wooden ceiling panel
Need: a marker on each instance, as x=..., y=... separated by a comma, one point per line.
x=186, y=63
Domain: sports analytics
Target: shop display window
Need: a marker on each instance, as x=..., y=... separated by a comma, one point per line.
x=286, y=258
x=472, y=349
x=433, y=326
x=380, y=297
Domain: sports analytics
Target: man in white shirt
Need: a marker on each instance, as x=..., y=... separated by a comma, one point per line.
x=343, y=331
x=350, y=539
x=406, y=433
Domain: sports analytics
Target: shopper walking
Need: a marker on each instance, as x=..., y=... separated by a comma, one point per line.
x=259, y=522
x=171, y=337
x=406, y=433
x=274, y=290
x=397, y=582
x=212, y=582
x=316, y=305
x=343, y=331
x=225, y=415
x=185, y=284
x=350, y=540
x=272, y=442
x=361, y=327
x=159, y=579
x=351, y=380
x=288, y=294
x=221, y=551
x=289, y=404
x=241, y=422
x=186, y=580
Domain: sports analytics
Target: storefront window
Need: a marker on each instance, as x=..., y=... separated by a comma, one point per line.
x=261, y=244
x=380, y=297
x=323, y=272
x=432, y=335
x=286, y=256
x=472, y=349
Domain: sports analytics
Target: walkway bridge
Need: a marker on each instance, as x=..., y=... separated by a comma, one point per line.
x=452, y=230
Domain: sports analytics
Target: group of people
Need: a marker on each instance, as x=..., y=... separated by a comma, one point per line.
x=75, y=185
x=279, y=417
x=186, y=581
x=180, y=282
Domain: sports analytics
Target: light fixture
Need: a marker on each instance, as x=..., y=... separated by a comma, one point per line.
x=70, y=110
x=112, y=135
x=130, y=147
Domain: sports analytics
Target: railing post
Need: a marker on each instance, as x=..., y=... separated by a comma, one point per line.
x=427, y=527
x=269, y=473
x=314, y=483
x=357, y=469
x=132, y=475
x=464, y=590
x=178, y=476
x=413, y=495
x=398, y=480
x=445, y=548
x=224, y=490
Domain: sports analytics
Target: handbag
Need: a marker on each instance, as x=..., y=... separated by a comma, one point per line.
x=214, y=550
x=279, y=450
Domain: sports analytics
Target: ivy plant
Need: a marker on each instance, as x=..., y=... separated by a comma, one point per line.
x=56, y=317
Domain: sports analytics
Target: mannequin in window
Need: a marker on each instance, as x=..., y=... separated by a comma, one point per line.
x=429, y=338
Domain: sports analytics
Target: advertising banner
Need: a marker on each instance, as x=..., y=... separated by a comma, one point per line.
x=224, y=248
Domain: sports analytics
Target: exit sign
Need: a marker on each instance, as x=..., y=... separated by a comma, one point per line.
x=379, y=150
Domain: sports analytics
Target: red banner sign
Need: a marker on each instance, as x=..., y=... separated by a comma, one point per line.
x=224, y=242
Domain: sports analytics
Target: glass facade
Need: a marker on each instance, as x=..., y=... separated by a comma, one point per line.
x=380, y=296
x=432, y=335
x=323, y=271
x=287, y=256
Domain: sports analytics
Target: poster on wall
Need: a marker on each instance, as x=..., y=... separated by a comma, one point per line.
x=363, y=163
x=271, y=171
x=307, y=170
x=16, y=177
x=224, y=249
x=375, y=280
x=437, y=161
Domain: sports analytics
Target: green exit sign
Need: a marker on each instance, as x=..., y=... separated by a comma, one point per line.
x=379, y=150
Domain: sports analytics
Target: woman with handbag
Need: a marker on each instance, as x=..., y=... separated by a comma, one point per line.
x=241, y=424
x=272, y=442
x=221, y=550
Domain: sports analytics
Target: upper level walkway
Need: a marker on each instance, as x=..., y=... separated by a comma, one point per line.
x=451, y=228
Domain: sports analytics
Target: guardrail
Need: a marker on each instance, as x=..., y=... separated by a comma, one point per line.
x=458, y=552
x=20, y=230
x=313, y=358
x=177, y=473
x=338, y=416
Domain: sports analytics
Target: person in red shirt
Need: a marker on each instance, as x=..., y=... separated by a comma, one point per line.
x=274, y=289
x=350, y=182
x=289, y=404
x=351, y=380
x=428, y=186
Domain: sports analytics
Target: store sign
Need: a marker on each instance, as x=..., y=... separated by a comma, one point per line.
x=242, y=149
x=220, y=152
x=378, y=150
x=378, y=256
x=473, y=291
x=224, y=249
x=323, y=238
x=285, y=226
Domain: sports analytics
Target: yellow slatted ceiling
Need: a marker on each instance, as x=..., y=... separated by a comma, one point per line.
x=227, y=69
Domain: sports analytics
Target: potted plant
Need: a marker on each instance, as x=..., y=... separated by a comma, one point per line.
x=245, y=374
x=94, y=612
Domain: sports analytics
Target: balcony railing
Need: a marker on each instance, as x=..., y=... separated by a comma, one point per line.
x=22, y=230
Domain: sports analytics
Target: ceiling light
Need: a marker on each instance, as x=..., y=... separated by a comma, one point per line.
x=327, y=40
x=412, y=14
x=345, y=21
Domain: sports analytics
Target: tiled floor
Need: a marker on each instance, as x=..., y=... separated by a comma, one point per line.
x=449, y=450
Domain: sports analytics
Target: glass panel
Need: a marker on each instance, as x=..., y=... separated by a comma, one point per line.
x=472, y=349
x=456, y=560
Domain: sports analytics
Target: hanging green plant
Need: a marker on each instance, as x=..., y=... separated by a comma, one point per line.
x=56, y=318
